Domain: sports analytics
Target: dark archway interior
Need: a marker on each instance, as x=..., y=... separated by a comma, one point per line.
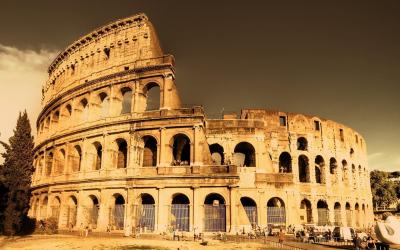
x=147, y=199
x=322, y=204
x=275, y=202
x=302, y=143
x=247, y=202
x=122, y=153
x=304, y=172
x=217, y=149
x=181, y=149
x=150, y=151
x=285, y=163
x=119, y=200
x=212, y=197
x=249, y=152
x=180, y=199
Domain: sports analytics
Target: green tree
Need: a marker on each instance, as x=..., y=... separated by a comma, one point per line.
x=17, y=171
x=383, y=190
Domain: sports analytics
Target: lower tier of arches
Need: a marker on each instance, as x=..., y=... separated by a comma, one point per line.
x=204, y=209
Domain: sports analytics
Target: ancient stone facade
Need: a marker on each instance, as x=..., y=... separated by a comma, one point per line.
x=116, y=150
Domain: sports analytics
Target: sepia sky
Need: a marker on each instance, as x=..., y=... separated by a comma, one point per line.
x=335, y=59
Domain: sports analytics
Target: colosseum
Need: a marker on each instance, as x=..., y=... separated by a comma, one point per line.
x=115, y=150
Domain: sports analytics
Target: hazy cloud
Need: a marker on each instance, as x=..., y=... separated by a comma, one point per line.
x=22, y=73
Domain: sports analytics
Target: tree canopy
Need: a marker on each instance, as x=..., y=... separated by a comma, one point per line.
x=384, y=191
x=16, y=173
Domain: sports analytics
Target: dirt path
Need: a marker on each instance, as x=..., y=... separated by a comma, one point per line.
x=66, y=242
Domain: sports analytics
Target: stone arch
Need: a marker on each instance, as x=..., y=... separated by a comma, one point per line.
x=59, y=161
x=214, y=213
x=55, y=208
x=304, y=169
x=43, y=207
x=333, y=166
x=92, y=206
x=320, y=169
x=306, y=211
x=117, y=215
x=72, y=211
x=147, y=212
x=104, y=104
x=337, y=208
x=49, y=163
x=97, y=156
x=323, y=213
x=285, y=163
x=75, y=158
x=153, y=96
x=149, y=151
x=357, y=213
x=348, y=214
x=181, y=150
x=126, y=101
x=245, y=155
x=122, y=153
x=302, y=144
x=276, y=212
x=217, y=154
x=83, y=108
x=180, y=211
x=55, y=119
x=250, y=207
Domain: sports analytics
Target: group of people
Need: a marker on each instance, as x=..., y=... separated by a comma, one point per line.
x=180, y=163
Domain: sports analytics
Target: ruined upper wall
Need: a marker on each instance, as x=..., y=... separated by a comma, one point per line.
x=123, y=44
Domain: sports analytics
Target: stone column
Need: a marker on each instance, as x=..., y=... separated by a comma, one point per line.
x=196, y=215
x=164, y=147
x=102, y=220
x=163, y=211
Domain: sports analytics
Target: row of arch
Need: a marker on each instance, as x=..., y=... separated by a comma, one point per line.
x=180, y=205
x=304, y=169
x=102, y=104
x=57, y=159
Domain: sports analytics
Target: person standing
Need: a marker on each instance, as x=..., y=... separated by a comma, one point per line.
x=281, y=236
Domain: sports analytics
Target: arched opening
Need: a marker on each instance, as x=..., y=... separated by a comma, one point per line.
x=304, y=169
x=36, y=208
x=333, y=170
x=217, y=154
x=104, y=104
x=345, y=171
x=55, y=208
x=319, y=169
x=59, y=162
x=72, y=211
x=55, y=119
x=305, y=212
x=93, y=211
x=276, y=213
x=323, y=213
x=84, y=108
x=147, y=212
x=43, y=208
x=250, y=207
x=122, y=154
x=118, y=213
x=126, y=104
x=181, y=150
x=363, y=224
x=245, y=155
x=354, y=174
x=76, y=158
x=214, y=213
x=348, y=215
x=357, y=210
x=98, y=149
x=180, y=212
x=337, y=214
x=152, y=92
x=49, y=163
x=302, y=144
x=149, y=151
x=68, y=109
x=285, y=163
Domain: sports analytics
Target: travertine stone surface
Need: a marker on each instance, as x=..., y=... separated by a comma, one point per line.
x=110, y=155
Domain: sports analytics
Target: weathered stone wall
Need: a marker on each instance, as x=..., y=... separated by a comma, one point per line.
x=110, y=154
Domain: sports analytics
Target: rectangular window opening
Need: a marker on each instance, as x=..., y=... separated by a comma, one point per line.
x=341, y=134
x=317, y=125
x=282, y=120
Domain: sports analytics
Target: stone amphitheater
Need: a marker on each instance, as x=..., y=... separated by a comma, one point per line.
x=116, y=151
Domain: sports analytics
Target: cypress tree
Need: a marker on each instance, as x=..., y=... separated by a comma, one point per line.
x=17, y=172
